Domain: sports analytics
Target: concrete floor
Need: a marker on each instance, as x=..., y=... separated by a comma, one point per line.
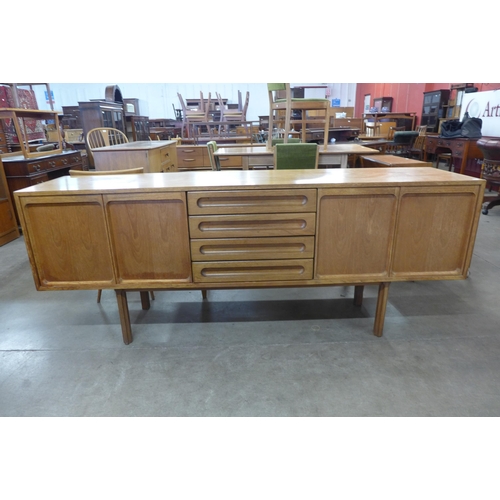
x=297, y=352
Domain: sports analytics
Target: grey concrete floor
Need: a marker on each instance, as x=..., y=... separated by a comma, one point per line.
x=280, y=352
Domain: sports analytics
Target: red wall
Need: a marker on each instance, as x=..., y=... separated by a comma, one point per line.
x=408, y=97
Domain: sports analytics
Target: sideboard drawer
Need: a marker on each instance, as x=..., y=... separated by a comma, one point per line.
x=241, y=202
x=237, y=226
x=230, y=161
x=248, y=271
x=292, y=247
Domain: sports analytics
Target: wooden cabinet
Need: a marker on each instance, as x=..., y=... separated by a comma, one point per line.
x=285, y=228
x=21, y=172
x=95, y=114
x=153, y=156
x=8, y=224
x=196, y=158
x=434, y=108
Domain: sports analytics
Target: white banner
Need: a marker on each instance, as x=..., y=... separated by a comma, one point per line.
x=484, y=105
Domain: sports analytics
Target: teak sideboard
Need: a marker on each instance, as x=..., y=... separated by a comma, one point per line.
x=250, y=229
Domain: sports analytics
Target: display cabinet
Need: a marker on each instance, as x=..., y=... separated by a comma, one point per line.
x=434, y=108
x=95, y=114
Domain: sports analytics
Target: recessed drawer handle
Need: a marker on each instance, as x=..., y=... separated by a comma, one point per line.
x=189, y=159
x=239, y=225
x=187, y=150
x=249, y=271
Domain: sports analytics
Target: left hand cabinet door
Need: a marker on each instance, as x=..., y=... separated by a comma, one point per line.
x=67, y=241
x=149, y=238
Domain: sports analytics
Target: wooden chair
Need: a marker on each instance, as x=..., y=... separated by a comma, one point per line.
x=101, y=137
x=417, y=149
x=82, y=173
x=296, y=156
x=214, y=160
x=287, y=105
x=239, y=115
x=192, y=116
x=392, y=131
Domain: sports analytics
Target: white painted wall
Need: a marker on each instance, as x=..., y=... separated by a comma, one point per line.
x=156, y=99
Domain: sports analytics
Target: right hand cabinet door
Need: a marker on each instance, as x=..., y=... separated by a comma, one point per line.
x=435, y=232
x=355, y=233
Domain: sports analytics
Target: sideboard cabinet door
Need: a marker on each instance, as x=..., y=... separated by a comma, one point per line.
x=149, y=238
x=435, y=232
x=67, y=241
x=355, y=233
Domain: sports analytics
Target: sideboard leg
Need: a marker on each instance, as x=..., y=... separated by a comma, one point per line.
x=121, y=299
x=358, y=295
x=204, y=294
x=145, y=303
x=383, y=294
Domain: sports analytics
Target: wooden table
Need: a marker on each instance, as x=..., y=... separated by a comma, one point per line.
x=260, y=156
x=250, y=229
x=153, y=156
x=392, y=161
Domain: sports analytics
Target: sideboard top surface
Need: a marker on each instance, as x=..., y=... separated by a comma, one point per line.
x=250, y=179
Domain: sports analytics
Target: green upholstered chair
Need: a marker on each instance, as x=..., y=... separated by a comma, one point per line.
x=214, y=161
x=281, y=101
x=296, y=156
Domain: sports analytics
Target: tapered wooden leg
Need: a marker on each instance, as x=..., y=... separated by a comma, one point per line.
x=121, y=299
x=383, y=294
x=358, y=295
x=99, y=292
x=145, y=303
x=204, y=294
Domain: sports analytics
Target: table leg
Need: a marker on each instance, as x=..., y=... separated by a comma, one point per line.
x=244, y=162
x=358, y=295
x=383, y=293
x=145, y=303
x=343, y=161
x=121, y=299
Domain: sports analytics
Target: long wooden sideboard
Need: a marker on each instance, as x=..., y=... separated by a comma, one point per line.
x=250, y=229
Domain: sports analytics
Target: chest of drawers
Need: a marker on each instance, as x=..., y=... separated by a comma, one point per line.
x=153, y=156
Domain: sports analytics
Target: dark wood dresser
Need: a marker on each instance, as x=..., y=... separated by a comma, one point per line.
x=23, y=172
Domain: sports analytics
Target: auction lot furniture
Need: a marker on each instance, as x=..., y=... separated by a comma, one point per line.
x=153, y=156
x=22, y=172
x=250, y=229
x=8, y=225
x=261, y=156
x=462, y=149
x=391, y=161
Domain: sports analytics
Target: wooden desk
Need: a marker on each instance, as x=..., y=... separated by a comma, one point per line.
x=250, y=229
x=260, y=156
x=376, y=117
x=153, y=156
x=391, y=161
x=463, y=149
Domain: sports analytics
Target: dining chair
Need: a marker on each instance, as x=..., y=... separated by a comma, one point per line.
x=192, y=116
x=282, y=103
x=214, y=160
x=85, y=173
x=417, y=149
x=296, y=155
x=101, y=137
